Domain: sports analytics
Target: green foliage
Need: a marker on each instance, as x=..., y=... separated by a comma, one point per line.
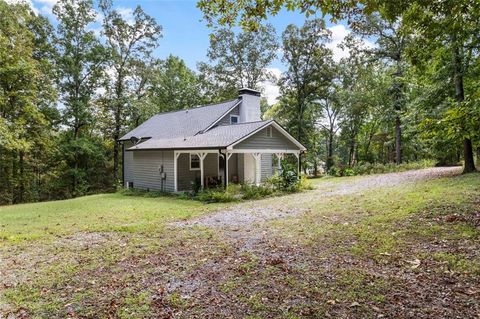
x=216, y=195
x=369, y=168
x=27, y=116
x=173, y=86
x=289, y=176
x=256, y=192
x=278, y=184
x=288, y=180
x=309, y=74
x=237, y=60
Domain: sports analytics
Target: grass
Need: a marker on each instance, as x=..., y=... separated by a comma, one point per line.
x=96, y=213
x=382, y=251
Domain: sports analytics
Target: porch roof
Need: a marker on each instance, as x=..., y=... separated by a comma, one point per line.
x=218, y=137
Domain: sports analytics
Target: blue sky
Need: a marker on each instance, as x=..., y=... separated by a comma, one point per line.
x=186, y=35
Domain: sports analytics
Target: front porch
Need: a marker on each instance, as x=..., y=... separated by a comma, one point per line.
x=219, y=167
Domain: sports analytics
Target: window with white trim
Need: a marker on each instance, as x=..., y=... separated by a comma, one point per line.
x=194, y=162
x=269, y=131
x=233, y=119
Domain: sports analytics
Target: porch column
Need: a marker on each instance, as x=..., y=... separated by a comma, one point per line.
x=258, y=177
x=298, y=163
x=227, y=157
x=175, y=182
x=201, y=156
x=279, y=161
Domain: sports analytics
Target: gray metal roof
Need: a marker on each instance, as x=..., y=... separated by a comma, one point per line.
x=180, y=124
x=217, y=137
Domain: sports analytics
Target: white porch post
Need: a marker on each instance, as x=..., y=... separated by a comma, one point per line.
x=298, y=163
x=227, y=157
x=202, y=156
x=175, y=182
x=279, y=161
x=258, y=177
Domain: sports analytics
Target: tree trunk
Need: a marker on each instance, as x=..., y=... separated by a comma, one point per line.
x=119, y=104
x=398, y=140
x=398, y=91
x=329, y=163
x=75, y=165
x=469, y=165
x=351, y=151
x=116, y=136
x=468, y=155
x=21, y=187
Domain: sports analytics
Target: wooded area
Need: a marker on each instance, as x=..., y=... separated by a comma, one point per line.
x=409, y=90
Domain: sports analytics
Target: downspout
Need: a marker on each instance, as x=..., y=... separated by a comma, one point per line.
x=224, y=168
x=123, y=165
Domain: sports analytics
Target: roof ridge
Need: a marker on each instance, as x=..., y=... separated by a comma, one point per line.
x=243, y=123
x=197, y=107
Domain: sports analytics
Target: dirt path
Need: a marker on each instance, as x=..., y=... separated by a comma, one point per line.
x=245, y=214
x=263, y=262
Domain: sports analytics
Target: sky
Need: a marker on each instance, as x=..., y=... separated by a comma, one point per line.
x=187, y=36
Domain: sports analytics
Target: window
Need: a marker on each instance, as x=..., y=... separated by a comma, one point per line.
x=233, y=119
x=194, y=162
x=269, y=131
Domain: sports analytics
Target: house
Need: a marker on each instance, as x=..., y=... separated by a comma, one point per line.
x=207, y=145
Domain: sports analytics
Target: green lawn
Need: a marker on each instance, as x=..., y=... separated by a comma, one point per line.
x=95, y=213
x=409, y=250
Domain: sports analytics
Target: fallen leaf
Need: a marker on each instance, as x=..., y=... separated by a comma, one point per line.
x=415, y=263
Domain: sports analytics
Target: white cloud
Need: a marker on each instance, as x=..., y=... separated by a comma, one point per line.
x=339, y=32
x=271, y=91
x=126, y=13
x=45, y=6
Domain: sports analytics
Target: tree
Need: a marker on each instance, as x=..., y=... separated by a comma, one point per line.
x=171, y=86
x=80, y=63
x=307, y=78
x=239, y=60
x=452, y=25
x=390, y=46
x=250, y=13
x=26, y=96
x=330, y=112
x=128, y=43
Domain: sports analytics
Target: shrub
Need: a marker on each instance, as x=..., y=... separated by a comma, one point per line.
x=275, y=182
x=288, y=175
x=378, y=168
x=304, y=184
x=215, y=195
x=348, y=172
x=335, y=171
x=255, y=192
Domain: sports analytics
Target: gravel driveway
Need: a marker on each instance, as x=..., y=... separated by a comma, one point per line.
x=245, y=214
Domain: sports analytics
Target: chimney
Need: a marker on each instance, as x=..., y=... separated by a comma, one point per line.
x=250, y=107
